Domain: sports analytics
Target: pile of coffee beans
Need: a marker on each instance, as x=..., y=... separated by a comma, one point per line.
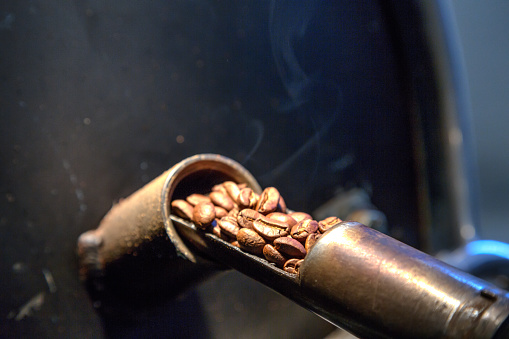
x=257, y=224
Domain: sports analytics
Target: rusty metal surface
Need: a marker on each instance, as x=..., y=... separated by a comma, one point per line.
x=139, y=229
x=132, y=224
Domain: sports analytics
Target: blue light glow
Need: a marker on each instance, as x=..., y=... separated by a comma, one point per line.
x=490, y=247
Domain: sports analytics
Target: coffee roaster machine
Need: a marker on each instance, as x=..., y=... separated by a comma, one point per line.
x=349, y=109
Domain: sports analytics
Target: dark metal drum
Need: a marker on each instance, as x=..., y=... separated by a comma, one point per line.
x=319, y=99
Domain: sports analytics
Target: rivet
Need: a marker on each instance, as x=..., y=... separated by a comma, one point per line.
x=488, y=294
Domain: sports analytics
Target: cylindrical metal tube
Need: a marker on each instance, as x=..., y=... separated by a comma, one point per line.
x=376, y=286
x=355, y=277
x=138, y=232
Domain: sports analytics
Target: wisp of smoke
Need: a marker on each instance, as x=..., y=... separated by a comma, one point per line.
x=288, y=21
x=258, y=126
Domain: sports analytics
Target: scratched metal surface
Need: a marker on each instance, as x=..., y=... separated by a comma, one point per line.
x=97, y=98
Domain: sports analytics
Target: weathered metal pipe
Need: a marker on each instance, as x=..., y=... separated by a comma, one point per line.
x=138, y=232
x=355, y=277
x=376, y=286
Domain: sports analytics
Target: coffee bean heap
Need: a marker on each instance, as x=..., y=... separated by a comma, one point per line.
x=257, y=224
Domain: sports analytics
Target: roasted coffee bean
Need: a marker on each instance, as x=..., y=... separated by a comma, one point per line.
x=299, y=216
x=195, y=199
x=289, y=246
x=281, y=206
x=311, y=240
x=247, y=198
x=234, y=213
x=269, y=200
x=222, y=200
x=203, y=214
x=232, y=189
x=229, y=226
x=303, y=229
x=255, y=224
x=250, y=241
x=270, y=229
x=283, y=217
x=216, y=230
x=273, y=255
x=219, y=188
x=293, y=265
x=220, y=212
x=247, y=216
x=327, y=223
x=182, y=208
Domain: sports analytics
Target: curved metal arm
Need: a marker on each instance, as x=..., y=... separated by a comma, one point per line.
x=374, y=286
x=355, y=277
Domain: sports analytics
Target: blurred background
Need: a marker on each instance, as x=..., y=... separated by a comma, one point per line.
x=97, y=98
x=485, y=48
